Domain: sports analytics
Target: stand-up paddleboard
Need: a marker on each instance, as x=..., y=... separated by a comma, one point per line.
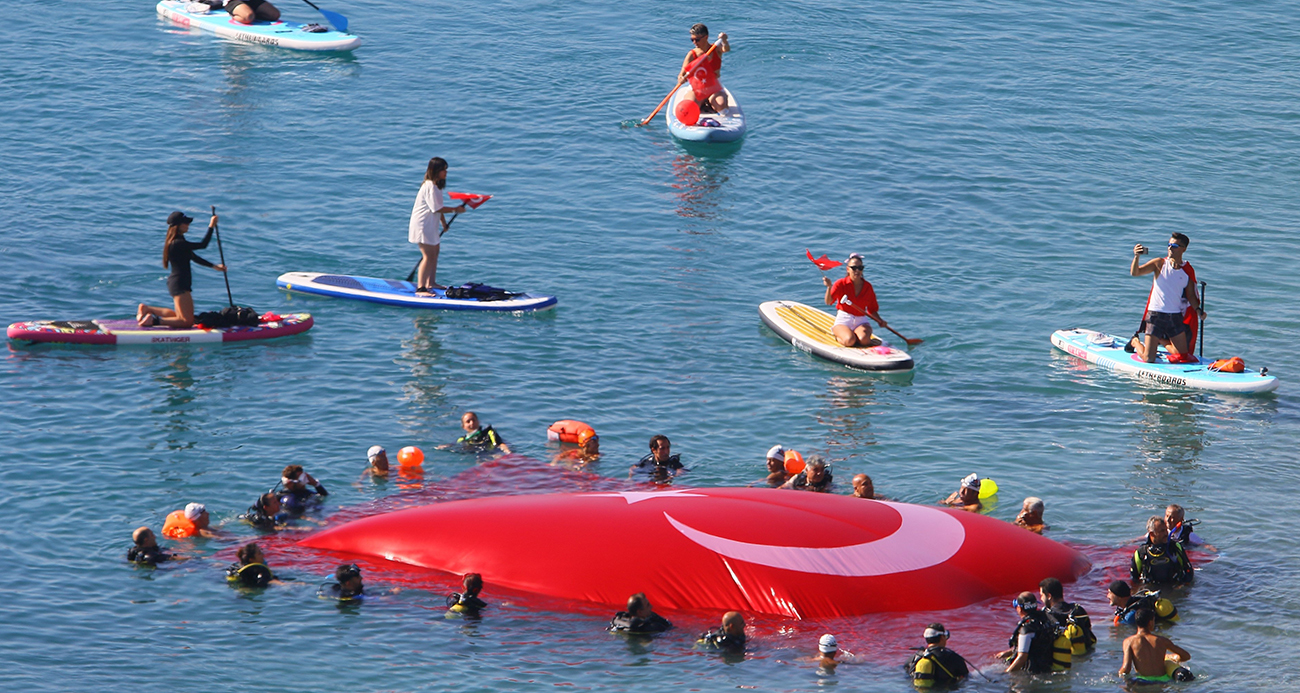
x=730, y=122
x=126, y=332
x=809, y=329
x=1108, y=351
x=196, y=15
x=395, y=292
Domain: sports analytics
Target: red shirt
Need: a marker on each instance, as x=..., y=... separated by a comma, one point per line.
x=704, y=76
x=854, y=304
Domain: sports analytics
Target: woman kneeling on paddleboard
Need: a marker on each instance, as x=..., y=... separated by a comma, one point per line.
x=855, y=302
x=427, y=223
x=177, y=253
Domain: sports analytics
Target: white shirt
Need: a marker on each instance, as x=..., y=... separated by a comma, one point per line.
x=1167, y=289
x=426, y=223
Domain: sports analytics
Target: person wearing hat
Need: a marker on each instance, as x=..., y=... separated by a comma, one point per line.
x=936, y=664
x=968, y=495
x=192, y=521
x=377, y=457
x=588, y=451
x=776, y=474
x=177, y=254
x=829, y=655
x=1032, y=645
x=854, y=302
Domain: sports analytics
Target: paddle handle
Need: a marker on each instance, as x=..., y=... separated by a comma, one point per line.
x=1201, y=349
x=222, y=255
x=655, y=112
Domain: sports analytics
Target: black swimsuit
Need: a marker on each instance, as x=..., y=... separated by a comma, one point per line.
x=178, y=256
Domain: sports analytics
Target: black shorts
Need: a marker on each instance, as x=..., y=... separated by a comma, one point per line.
x=177, y=286
x=1165, y=325
x=252, y=5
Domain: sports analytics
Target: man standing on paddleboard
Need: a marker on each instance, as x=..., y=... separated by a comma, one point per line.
x=1172, y=307
x=427, y=223
x=705, y=87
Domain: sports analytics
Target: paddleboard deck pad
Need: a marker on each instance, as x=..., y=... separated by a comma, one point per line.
x=809, y=329
x=730, y=122
x=126, y=332
x=1108, y=351
x=395, y=292
x=196, y=15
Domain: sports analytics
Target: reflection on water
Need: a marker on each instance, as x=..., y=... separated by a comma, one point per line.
x=846, y=405
x=177, y=378
x=1169, y=431
x=699, y=176
x=423, y=355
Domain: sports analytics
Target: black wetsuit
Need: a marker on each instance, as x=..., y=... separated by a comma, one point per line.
x=942, y=666
x=1161, y=564
x=1066, y=612
x=179, y=256
x=801, y=482
x=718, y=639
x=649, y=463
x=623, y=622
x=147, y=556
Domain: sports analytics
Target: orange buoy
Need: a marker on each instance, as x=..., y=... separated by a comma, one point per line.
x=568, y=431
x=410, y=456
x=793, y=462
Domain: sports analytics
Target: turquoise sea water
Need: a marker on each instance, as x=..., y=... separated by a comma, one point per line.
x=994, y=161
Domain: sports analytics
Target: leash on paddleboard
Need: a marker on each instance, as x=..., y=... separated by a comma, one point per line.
x=1201, y=350
x=339, y=21
x=222, y=254
x=824, y=263
x=689, y=69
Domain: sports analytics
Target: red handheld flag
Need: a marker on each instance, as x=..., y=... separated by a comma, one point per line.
x=470, y=199
x=823, y=262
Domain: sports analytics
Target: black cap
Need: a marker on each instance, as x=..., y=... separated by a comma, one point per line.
x=177, y=218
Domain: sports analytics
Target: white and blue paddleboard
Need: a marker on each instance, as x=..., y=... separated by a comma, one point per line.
x=196, y=15
x=394, y=292
x=730, y=122
x=1108, y=351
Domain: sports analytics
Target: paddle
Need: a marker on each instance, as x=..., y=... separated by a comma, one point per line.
x=689, y=69
x=339, y=21
x=472, y=201
x=222, y=254
x=1201, y=350
x=824, y=263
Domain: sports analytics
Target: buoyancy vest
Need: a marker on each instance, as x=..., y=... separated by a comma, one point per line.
x=719, y=639
x=1050, y=648
x=1076, y=625
x=627, y=623
x=936, y=665
x=1163, y=608
x=481, y=440
x=250, y=575
x=465, y=604
x=1161, y=564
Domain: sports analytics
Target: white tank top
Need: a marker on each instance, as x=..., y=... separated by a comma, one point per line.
x=1167, y=289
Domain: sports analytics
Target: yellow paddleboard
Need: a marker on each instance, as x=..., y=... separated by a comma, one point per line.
x=809, y=329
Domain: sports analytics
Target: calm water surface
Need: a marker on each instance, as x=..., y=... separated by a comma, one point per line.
x=994, y=161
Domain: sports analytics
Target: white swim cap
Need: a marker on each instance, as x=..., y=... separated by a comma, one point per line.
x=374, y=451
x=971, y=481
x=776, y=453
x=827, y=644
x=194, y=510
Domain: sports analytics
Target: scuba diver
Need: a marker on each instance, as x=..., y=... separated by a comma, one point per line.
x=936, y=664
x=1037, y=645
x=816, y=476
x=1153, y=658
x=478, y=438
x=146, y=551
x=294, y=491
x=1126, y=604
x=467, y=604
x=730, y=636
x=1072, y=618
x=347, y=584
x=639, y=619
x=250, y=569
x=265, y=513
x=1182, y=530
x=1160, y=560
x=660, y=464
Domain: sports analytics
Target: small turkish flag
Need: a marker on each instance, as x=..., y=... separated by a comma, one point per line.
x=470, y=199
x=823, y=262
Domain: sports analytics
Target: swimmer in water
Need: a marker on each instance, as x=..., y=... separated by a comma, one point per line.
x=829, y=655
x=864, y=488
x=730, y=636
x=377, y=459
x=190, y=522
x=967, y=497
x=660, y=463
x=936, y=664
x=776, y=474
x=587, y=452
x=1148, y=655
x=146, y=551
x=265, y=513
x=816, y=476
x=639, y=618
x=347, y=584
x=467, y=604
x=1181, y=530
x=1031, y=515
x=250, y=569
x=478, y=438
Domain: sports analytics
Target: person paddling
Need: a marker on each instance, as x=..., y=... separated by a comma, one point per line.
x=427, y=223
x=177, y=254
x=854, y=302
x=705, y=88
x=1167, y=321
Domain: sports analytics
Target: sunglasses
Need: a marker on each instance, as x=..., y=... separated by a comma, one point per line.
x=855, y=267
x=1174, y=245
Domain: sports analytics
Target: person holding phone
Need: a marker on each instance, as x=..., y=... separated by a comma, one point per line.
x=1172, y=307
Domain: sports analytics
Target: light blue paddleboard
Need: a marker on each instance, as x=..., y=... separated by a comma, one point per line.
x=394, y=292
x=1108, y=351
x=731, y=121
x=281, y=33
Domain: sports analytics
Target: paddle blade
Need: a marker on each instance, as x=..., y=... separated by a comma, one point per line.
x=470, y=199
x=337, y=20
x=824, y=263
